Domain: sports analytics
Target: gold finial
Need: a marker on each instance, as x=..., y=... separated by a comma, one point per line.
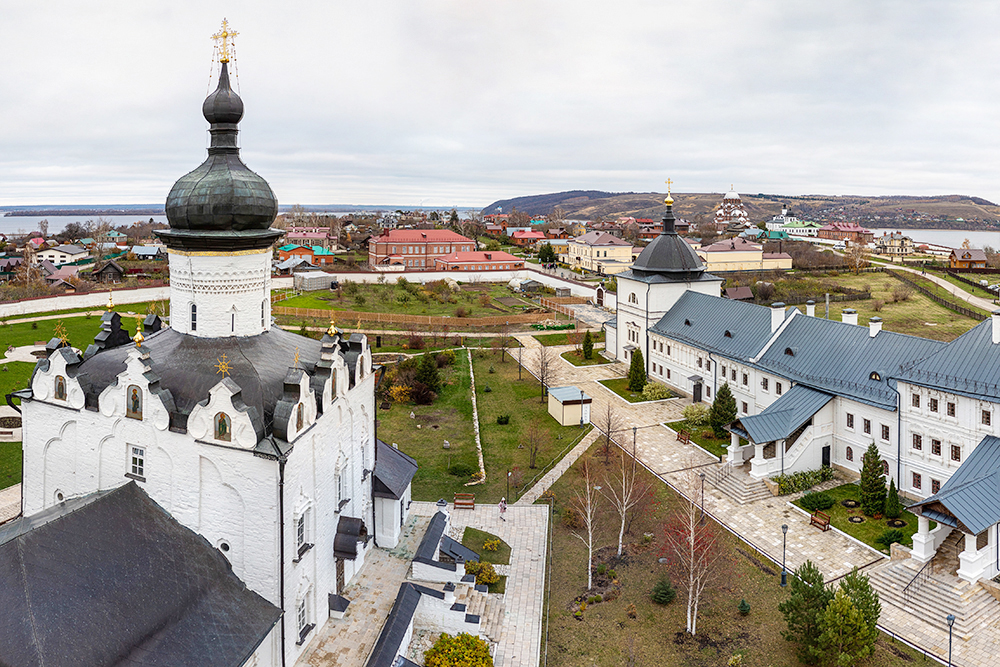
x=137, y=338
x=332, y=331
x=669, y=201
x=60, y=332
x=295, y=361
x=111, y=300
x=223, y=37
x=222, y=366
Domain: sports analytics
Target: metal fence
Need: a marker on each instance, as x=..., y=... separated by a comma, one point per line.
x=425, y=320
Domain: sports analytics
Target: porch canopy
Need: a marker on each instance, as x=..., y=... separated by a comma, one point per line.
x=783, y=417
x=970, y=500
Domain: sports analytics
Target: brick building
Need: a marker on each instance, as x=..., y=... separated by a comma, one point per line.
x=479, y=260
x=415, y=248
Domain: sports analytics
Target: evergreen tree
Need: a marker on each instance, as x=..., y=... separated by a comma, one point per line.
x=846, y=637
x=637, y=372
x=857, y=586
x=427, y=372
x=804, y=609
x=872, y=482
x=546, y=253
x=588, y=345
x=723, y=410
x=893, y=507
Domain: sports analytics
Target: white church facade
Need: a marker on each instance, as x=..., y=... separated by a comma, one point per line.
x=812, y=392
x=258, y=440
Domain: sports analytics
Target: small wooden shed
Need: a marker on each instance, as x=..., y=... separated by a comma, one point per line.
x=569, y=405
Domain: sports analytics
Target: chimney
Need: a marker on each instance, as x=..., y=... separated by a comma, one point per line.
x=874, y=326
x=996, y=327
x=849, y=316
x=777, y=315
x=811, y=308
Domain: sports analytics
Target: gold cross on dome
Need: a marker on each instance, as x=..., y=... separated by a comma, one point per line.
x=223, y=366
x=669, y=183
x=223, y=37
x=60, y=332
x=111, y=300
x=296, y=362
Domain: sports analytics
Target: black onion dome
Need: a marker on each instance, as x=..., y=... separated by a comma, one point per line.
x=669, y=254
x=221, y=204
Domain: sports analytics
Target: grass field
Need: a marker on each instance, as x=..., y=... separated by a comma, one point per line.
x=620, y=387
x=10, y=464
x=567, y=338
x=473, y=538
x=717, y=446
x=607, y=635
x=577, y=358
x=870, y=530
x=976, y=291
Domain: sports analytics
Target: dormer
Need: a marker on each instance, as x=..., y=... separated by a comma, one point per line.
x=224, y=419
x=296, y=411
x=137, y=394
x=54, y=380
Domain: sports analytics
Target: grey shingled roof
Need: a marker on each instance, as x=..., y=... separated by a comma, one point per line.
x=113, y=579
x=972, y=495
x=398, y=623
x=968, y=365
x=432, y=537
x=702, y=320
x=393, y=471
x=840, y=358
x=780, y=419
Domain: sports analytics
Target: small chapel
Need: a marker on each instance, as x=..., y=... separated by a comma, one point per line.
x=198, y=493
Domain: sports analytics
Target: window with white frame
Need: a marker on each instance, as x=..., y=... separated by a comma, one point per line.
x=933, y=404
x=137, y=462
x=915, y=400
x=764, y=383
x=885, y=432
x=917, y=480
x=918, y=441
x=935, y=447
x=867, y=424
x=951, y=409
x=986, y=417
x=850, y=420
x=745, y=409
x=746, y=380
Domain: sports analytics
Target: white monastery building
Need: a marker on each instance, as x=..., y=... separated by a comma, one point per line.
x=220, y=450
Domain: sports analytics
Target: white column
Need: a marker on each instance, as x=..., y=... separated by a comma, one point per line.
x=973, y=563
x=923, y=543
x=734, y=449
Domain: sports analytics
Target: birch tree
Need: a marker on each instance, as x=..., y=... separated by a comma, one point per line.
x=607, y=421
x=545, y=368
x=622, y=491
x=585, y=502
x=693, y=545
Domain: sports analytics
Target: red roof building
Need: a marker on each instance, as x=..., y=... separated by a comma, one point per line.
x=520, y=238
x=478, y=260
x=415, y=249
x=845, y=231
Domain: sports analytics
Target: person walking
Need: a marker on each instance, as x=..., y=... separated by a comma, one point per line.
x=503, y=508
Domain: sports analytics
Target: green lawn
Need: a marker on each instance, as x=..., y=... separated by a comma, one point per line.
x=868, y=531
x=717, y=446
x=607, y=634
x=563, y=338
x=977, y=291
x=620, y=387
x=10, y=464
x=14, y=375
x=576, y=358
x=402, y=342
x=411, y=300
x=473, y=538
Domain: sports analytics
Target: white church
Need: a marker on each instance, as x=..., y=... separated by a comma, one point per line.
x=813, y=392
x=198, y=494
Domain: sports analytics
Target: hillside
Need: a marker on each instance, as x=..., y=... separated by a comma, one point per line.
x=902, y=211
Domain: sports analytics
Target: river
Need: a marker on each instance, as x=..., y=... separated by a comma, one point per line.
x=29, y=223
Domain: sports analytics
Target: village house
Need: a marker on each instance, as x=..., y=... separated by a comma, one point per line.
x=845, y=231
x=895, y=246
x=415, y=249
x=63, y=254
x=526, y=239
x=478, y=260
x=967, y=258
x=739, y=254
x=599, y=252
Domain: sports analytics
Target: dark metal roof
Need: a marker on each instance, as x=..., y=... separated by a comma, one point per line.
x=398, y=624
x=780, y=419
x=458, y=551
x=968, y=365
x=349, y=532
x=113, y=579
x=432, y=537
x=222, y=203
x=669, y=254
x=840, y=358
x=972, y=494
x=393, y=471
x=703, y=321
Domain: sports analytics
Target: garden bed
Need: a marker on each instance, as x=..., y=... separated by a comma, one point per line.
x=620, y=387
x=568, y=338
x=717, y=446
x=577, y=359
x=475, y=539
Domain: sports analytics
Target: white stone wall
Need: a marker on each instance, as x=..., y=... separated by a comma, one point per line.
x=230, y=290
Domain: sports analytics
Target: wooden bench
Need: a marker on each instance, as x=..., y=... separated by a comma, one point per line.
x=684, y=436
x=820, y=520
x=465, y=501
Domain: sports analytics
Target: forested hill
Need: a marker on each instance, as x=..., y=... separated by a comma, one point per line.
x=903, y=211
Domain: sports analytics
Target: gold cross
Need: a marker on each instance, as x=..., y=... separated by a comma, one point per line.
x=296, y=357
x=111, y=301
x=60, y=332
x=669, y=183
x=223, y=37
x=223, y=366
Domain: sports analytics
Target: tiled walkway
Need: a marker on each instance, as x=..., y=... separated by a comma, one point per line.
x=10, y=502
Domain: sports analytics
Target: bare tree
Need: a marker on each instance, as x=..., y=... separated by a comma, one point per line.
x=533, y=441
x=607, y=421
x=43, y=227
x=586, y=502
x=546, y=366
x=622, y=491
x=503, y=342
x=692, y=542
x=857, y=256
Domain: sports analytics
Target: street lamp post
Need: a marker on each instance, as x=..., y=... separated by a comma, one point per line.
x=634, y=428
x=508, y=483
x=951, y=624
x=784, y=537
x=581, y=408
x=702, y=475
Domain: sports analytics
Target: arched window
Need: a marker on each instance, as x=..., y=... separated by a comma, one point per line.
x=60, y=388
x=223, y=427
x=632, y=298
x=133, y=402
x=194, y=317
x=850, y=454
x=885, y=467
x=299, y=417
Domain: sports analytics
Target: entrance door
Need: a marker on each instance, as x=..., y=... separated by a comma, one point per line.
x=600, y=296
x=696, y=393
x=340, y=576
x=826, y=456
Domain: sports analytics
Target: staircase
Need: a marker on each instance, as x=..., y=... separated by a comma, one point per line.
x=488, y=606
x=937, y=596
x=737, y=484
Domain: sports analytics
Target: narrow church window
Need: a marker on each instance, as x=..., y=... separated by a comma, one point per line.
x=194, y=317
x=234, y=323
x=138, y=461
x=262, y=304
x=850, y=454
x=300, y=532
x=223, y=427
x=299, y=417
x=60, y=388
x=133, y=402
x=303, y=618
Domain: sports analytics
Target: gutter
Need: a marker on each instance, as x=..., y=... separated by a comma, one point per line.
x=282, y=459
x=899, y=433
x=646, y=360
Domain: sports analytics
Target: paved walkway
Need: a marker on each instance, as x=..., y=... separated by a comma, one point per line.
x=952, y=289
x=10, y=502
x=549, y=478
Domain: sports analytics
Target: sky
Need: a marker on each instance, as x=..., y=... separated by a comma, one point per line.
x=460, y=103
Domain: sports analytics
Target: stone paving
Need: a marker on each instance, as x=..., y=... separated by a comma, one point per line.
x=10, y=502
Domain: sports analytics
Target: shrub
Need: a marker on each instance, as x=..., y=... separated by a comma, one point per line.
x=461, y=312
x=462, y=650
x=800, y=481
x=817, y=501
x=492, y=370
x=637, y=372
x=485, y=572
x=503, y=420
x=602, y=568
x=422, y=394
x=893, y=507
x=571, y=518
x=492, y=545
x=878, y=305
x=461, y=470
x=735, y=660
x=697, y=414
x=612, y=574
x=653, y=391
x=415, y=342
x=588, y=346
x=663, y=592
x=487, y=389
x=446, y=358
x=889, y=536
x=723, y=410
x=427, y=372
x=631, y=611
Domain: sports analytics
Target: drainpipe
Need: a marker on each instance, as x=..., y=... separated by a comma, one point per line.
x=281, y=547
x=899, y=434
x=646, y=360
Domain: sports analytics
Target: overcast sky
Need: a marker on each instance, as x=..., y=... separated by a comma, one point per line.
x=441, y=103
